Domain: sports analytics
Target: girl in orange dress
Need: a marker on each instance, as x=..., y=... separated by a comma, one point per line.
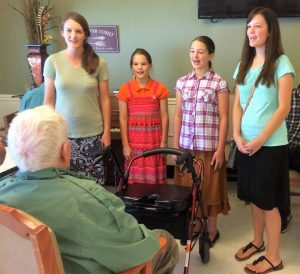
x=144, y=121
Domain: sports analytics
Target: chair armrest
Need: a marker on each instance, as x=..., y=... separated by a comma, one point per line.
x=146, y=267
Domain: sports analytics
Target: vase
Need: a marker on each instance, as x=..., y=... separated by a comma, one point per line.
x=37, y=54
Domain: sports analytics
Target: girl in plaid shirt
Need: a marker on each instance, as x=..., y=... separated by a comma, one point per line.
x=201, y=125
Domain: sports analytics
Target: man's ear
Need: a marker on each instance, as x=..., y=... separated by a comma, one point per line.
x=2, y=152
x=65, y=153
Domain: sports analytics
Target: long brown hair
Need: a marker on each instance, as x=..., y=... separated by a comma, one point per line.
x=272, y=51
x=89, y=59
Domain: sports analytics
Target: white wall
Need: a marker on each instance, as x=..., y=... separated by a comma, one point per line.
x=8, y=105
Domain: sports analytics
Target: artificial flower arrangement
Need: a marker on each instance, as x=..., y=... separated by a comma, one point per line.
x=36, y=16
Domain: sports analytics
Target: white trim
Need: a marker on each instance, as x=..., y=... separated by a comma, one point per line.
x=8, y=104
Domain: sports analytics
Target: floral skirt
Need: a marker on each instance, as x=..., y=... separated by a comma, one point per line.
x=86, y=158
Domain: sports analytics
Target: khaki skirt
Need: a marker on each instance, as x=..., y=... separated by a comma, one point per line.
x=214, y=191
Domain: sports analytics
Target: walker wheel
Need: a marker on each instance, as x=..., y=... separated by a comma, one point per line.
x=204, y=249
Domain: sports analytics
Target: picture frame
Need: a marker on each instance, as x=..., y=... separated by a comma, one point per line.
x=104, y=38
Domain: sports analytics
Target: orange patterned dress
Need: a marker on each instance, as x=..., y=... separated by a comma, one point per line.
x=145, y=132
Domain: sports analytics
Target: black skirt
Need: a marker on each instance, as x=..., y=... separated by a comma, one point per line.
x=263, y=178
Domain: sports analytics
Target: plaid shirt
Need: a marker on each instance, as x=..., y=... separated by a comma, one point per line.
x=200, y=119
x=293, y=119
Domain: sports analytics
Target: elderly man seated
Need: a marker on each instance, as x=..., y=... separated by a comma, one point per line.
x=94, y=233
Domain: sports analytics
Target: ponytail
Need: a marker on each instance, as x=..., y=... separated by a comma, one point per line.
x=90, y=60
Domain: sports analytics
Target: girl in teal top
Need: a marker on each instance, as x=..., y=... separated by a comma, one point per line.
x=264, y=103
x=261, y=136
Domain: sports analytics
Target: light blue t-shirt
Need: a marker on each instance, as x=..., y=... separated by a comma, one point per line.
x=77, y=94
x=263, y=103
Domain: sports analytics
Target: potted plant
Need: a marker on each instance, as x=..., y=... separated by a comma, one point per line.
x=36, y=15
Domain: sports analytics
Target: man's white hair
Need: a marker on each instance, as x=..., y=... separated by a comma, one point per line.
x=35, y=137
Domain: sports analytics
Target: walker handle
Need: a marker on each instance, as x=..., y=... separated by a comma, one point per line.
x=167, y=150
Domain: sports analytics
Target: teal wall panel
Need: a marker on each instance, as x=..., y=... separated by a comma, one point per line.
x=164, y=27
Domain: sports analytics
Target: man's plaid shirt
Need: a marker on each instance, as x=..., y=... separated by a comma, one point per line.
x=293, y=119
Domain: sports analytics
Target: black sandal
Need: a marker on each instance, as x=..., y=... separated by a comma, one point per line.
x=212, y=242
x=270, y=269
x=247, y=247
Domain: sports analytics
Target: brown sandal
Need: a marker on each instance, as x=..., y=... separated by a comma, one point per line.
x=247, y=247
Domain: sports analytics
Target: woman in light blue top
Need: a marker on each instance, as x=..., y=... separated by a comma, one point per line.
x=76, y=84
x=261, y=136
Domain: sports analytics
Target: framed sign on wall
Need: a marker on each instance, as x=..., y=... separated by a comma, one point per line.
x=104, y=38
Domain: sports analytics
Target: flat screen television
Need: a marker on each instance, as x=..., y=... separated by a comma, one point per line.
x=220, y=9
